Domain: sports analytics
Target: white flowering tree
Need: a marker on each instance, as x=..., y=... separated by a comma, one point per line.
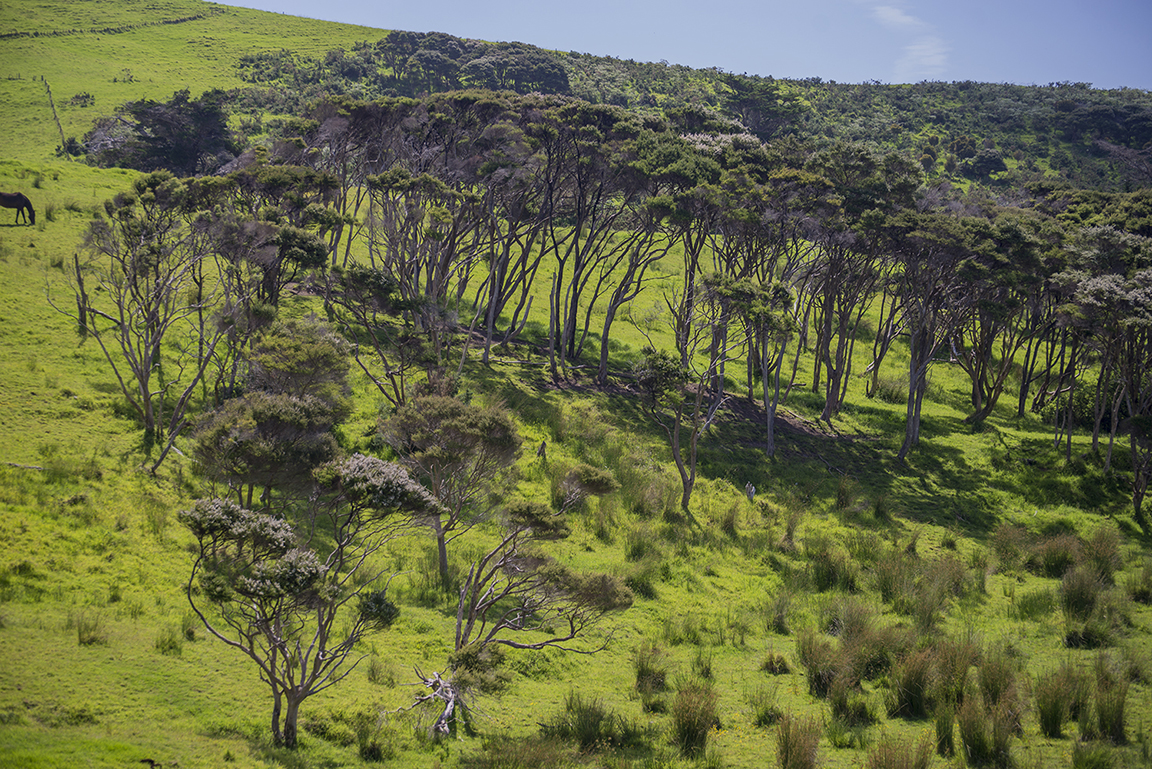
x=273, y=588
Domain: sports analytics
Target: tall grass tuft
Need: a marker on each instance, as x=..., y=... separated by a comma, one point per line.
x=1111, y=700
x=910, y=686
x=944, y=721
x=693, y=716
x=1051, y=703
x=650, y=664
x=590, y=725
x=891, y=753
x=765, y=705
x=797, y=742
x=822, y=659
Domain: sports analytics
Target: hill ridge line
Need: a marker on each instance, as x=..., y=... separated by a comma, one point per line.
x=110, y=30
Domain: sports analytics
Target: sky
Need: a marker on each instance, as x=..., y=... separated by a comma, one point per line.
x=1107, y=43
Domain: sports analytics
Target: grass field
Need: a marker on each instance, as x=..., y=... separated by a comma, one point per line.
x=102, y=666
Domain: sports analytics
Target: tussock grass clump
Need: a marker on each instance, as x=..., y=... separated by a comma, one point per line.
x=1054, y=555
x=849, y=704
x=984, y=735
x=776, y=613
x=1011, y=543
x=830, y=567
x=1094, y=614
x=821, y=658
x=764, y=703
x=169, y=641
x=952, y=659
x=1078, y=593
x=650, y=663
x=1051, y=704
x=693, y=716
x=891, y=753
x=381, y=673
x=910, y=686
x=90, y=629
x=1033, y=605
x=590, y=725
x=504, y=752
x=895, y=576
x=775, y=664
x=797, y=742
x=1139, y=584
x=1111, y=700
x=1101, y=552
x=944, y=722
x=1092, y=756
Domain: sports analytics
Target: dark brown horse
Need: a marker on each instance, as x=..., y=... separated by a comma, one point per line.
x=21, y=203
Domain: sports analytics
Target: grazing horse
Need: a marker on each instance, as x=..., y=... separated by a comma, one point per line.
x=21, y=203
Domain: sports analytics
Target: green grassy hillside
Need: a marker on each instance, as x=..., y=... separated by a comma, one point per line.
x=845, y=563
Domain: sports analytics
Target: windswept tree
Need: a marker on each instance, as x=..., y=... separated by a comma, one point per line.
x=517, y=597
x=140, y=294
x=296, y=595
x=683, y=399
x=459, y=451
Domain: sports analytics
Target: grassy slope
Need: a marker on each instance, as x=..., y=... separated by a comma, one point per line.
x=89, y=538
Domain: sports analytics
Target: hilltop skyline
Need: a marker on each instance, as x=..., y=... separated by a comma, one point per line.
x=1026, y=42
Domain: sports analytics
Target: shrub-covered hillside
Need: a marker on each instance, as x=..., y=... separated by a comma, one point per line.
x=382, y=399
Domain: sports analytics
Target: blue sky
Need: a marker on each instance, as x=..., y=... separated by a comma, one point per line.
x=1104, y=42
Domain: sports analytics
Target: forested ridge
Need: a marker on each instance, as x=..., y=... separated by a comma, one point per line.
x=435, y=400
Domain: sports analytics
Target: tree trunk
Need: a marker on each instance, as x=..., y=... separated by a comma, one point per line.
x=291, y=713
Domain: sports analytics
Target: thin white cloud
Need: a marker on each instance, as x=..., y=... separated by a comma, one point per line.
x=895, y=18
x=925, y=53
x=923, y=59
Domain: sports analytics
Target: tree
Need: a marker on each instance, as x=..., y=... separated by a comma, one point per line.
x=458, y=451
x=683, y=399
x=183, y=135
x=274, y=589
x=515, y=597
x=143, y=268
x=275, y=433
